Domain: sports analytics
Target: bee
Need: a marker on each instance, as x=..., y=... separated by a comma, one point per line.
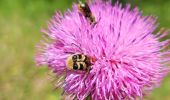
x=85, y=10
x=79, y=62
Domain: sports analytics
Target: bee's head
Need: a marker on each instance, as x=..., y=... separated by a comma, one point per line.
x=78, y=62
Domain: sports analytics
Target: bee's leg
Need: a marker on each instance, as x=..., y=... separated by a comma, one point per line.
x=90, y=68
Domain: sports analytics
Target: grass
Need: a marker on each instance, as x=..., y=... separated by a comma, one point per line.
x=20, y=24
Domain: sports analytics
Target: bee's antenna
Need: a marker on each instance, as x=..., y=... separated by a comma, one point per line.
x=77, y=46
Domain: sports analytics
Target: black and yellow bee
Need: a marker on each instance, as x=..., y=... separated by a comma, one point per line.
x=86, y=11
x=79, y=62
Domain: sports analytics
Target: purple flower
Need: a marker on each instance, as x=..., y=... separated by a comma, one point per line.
x=130, y=59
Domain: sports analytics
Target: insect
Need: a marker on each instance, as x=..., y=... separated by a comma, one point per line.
x=85, y=10
x=79, y=62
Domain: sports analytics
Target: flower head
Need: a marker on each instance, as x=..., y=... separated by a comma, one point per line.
x=130, y=59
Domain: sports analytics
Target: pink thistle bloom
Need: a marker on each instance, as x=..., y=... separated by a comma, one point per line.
x=130, y=59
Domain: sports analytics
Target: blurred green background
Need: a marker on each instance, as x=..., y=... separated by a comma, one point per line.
x=20, y=24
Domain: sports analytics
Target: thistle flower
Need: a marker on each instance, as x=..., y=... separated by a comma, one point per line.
x=130, y=59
